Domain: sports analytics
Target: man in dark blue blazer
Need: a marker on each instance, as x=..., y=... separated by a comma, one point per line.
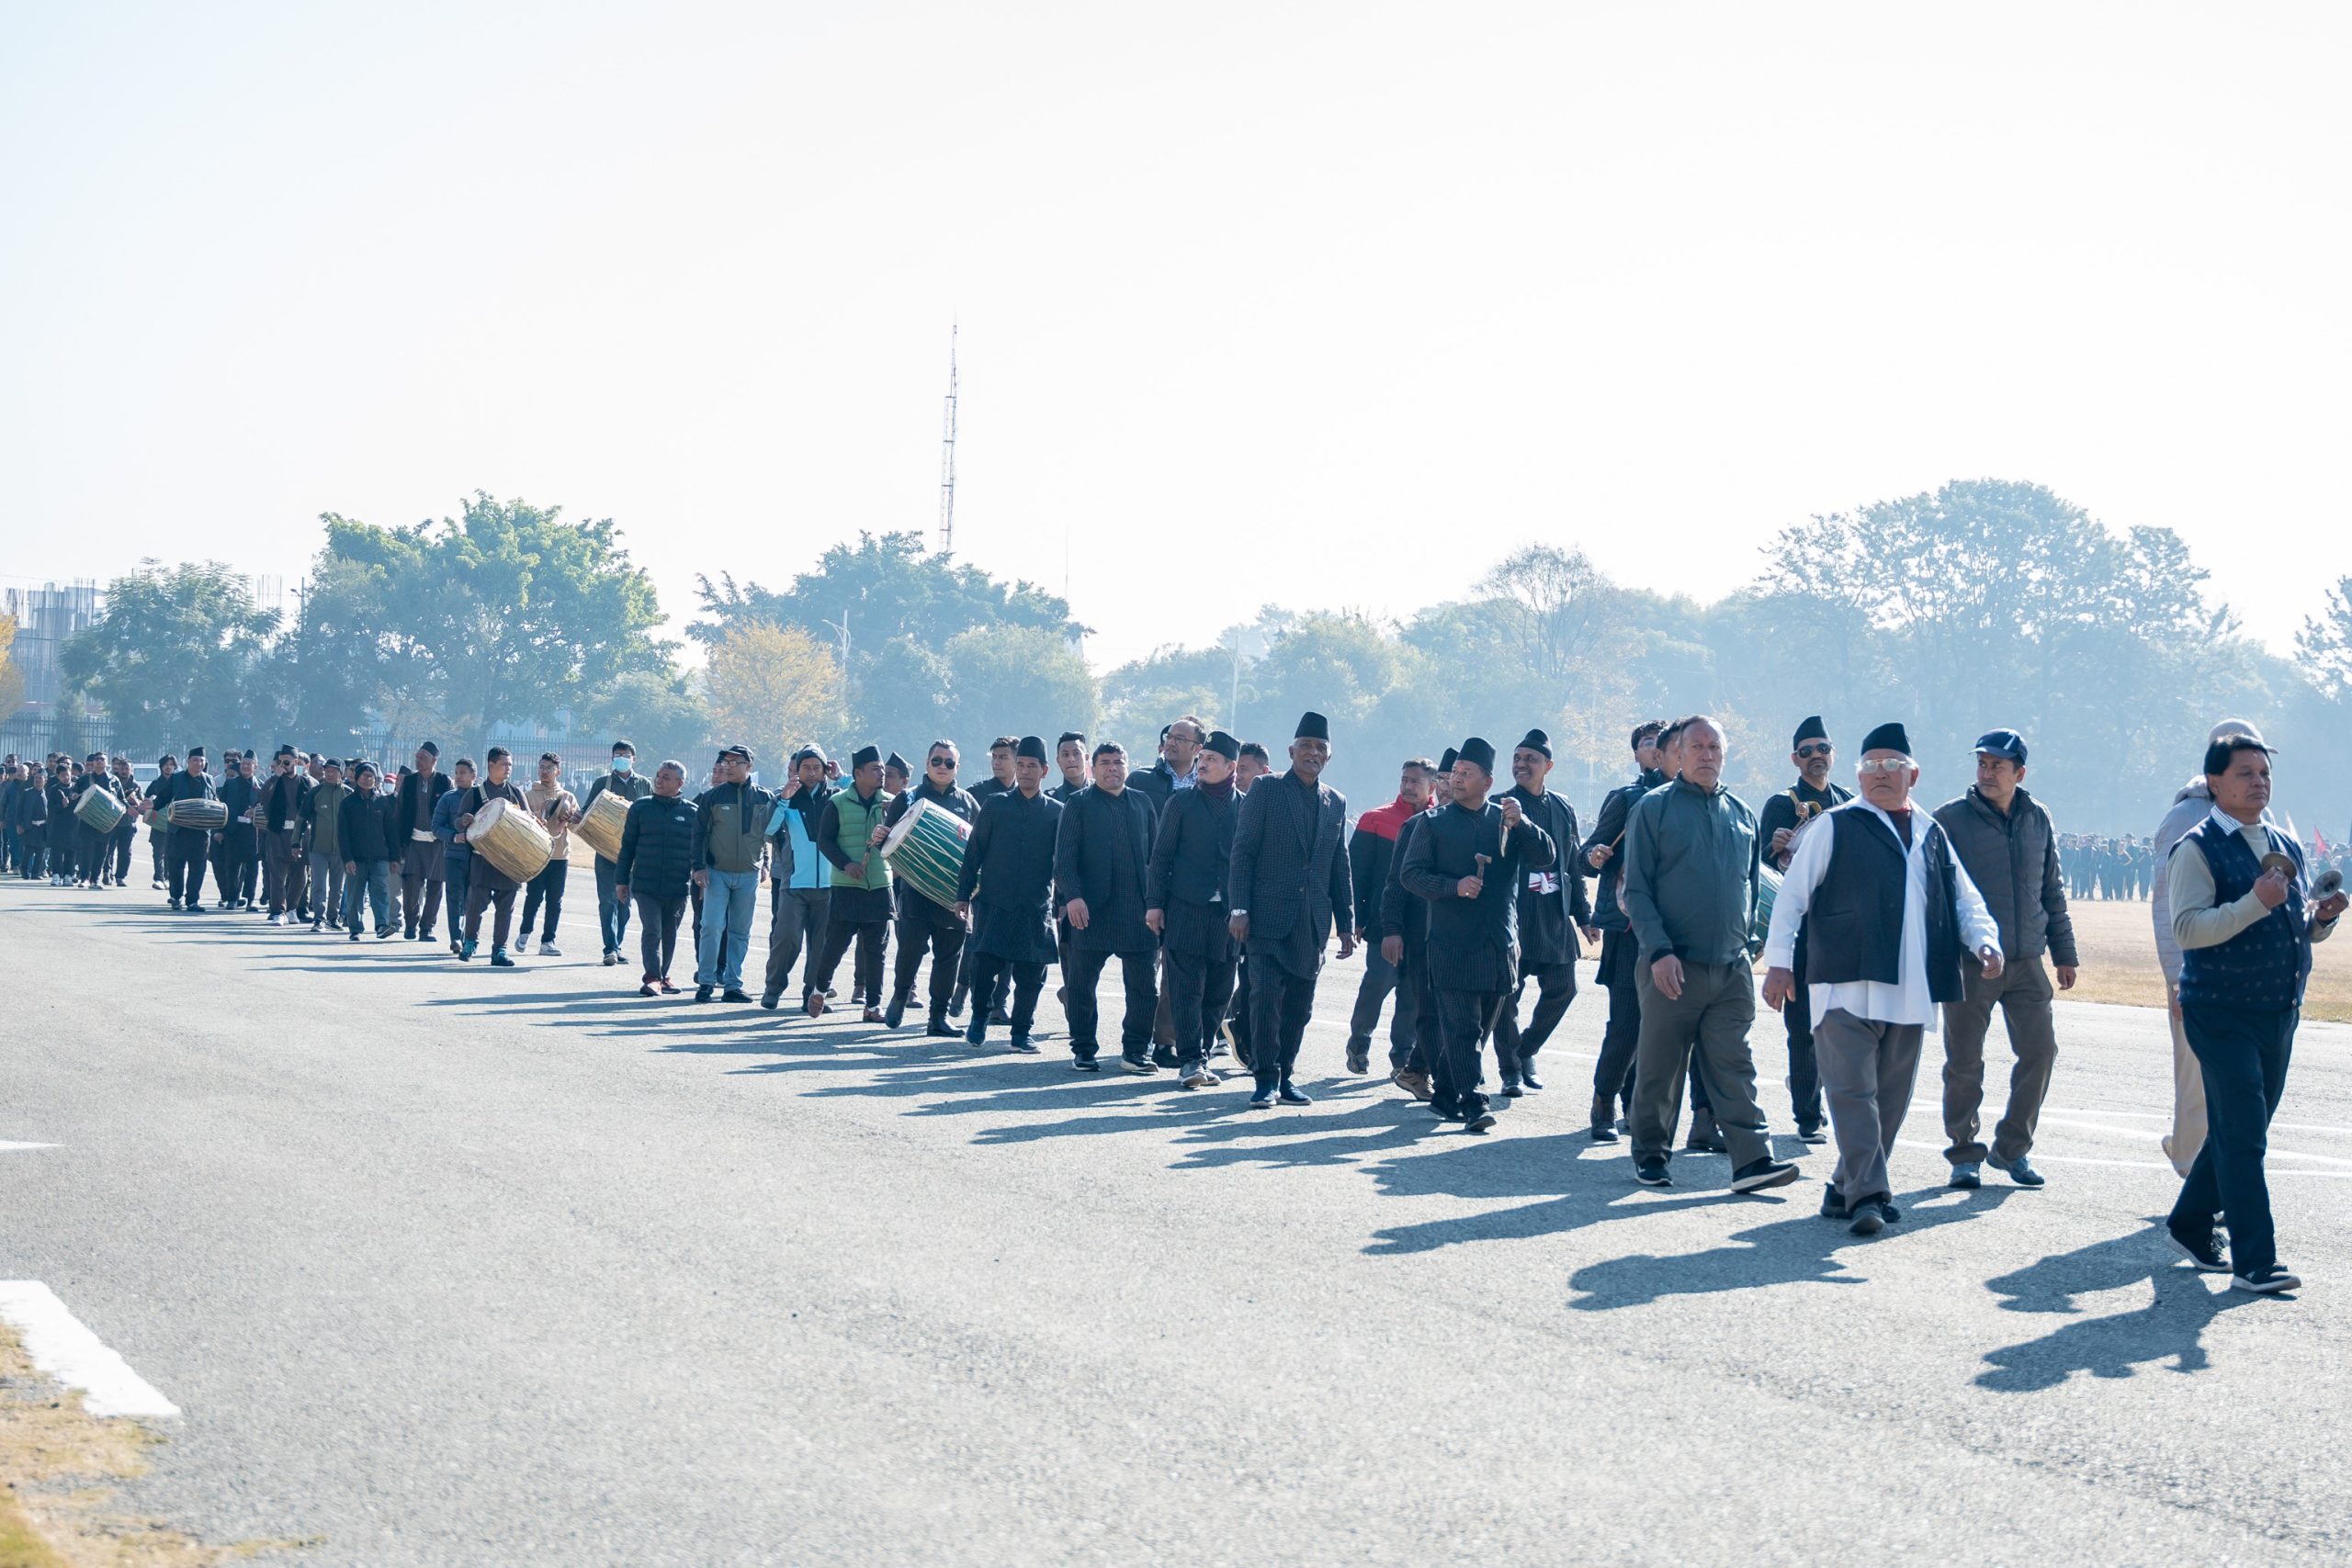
x=1289, y=875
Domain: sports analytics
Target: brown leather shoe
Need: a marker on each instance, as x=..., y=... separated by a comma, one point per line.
x=873, y=1015
x=1412, y=1083
x=815, y=1005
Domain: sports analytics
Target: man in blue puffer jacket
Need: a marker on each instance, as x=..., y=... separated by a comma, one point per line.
x=800, y=886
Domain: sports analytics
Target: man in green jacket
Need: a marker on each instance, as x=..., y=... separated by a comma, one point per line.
x=849, y=835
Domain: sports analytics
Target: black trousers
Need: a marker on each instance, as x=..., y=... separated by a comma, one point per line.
x=1515, y=1047
x=187, y=863
x=122, y=841
x=97, y=851
x=866, y=973
x=233, y=869
x=1138, y=971
x=1280, y=1004
x=1198, y=989
x=942, y=933
x=657, y=931
x=1461, y=1024
x=1612, y=1075
x=1417, y=996
x=2242, y=1053
x=421, y=869
x=1804, y=1075
x=990, y=974
x=547, y=888
x=485, y=891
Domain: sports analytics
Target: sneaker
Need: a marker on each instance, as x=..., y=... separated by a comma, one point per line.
x=550, y=950
x=1511, y=1089
x=276, y=919
x=1887, y=1210
x=976, y=1032
x=768, y=1000
x=1415, y=1084
x=703, y=993
x=2204, y=1251
x=408, y=933
x=1197, y=1077
x=355, y=936
x=1023, y=1044
x=1084, y=1064
x=1140, y=1066
x=466, y=950
x=1964, y=1175
x=498, y=959
x=384, y=935
x=647, y=989
x=2266, y=1281
x=1833, y=1207
x=1705, y=1138
x=156, y=885
x=1289, y=1094
x=734, y=994
x=1868, y=1221
x=667, y=989
x=1478, y=1121
x=1813, y=1136
x=1757, y=1175
x=1652, y=1173
x=612, y=958
x=1263, y=1098
x=2020, y=1171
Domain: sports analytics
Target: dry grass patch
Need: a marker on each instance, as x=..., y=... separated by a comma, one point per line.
x=60, y=1465
x=2118, y=962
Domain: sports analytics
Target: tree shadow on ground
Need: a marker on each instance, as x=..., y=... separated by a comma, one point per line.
x=2169, y=1331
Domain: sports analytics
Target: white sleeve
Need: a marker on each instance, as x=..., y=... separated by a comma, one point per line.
x=1978, y=930
x=1808, y=863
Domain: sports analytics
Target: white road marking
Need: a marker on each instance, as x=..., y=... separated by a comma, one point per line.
x=9, y=1148
x=59, y=1346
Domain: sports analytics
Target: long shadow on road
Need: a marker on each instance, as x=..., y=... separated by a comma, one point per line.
x=2169, y=1330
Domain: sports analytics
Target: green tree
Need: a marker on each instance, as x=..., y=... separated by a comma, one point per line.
x=656, y=711
x=772, y=689
x=179, y=654
x=505, y=614
x=1023, y=680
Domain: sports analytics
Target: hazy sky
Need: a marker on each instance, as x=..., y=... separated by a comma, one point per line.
x=1328, y=305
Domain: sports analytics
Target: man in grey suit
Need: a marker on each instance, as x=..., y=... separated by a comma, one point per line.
x=1289, y=876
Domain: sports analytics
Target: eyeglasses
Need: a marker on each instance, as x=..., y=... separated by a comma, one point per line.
x=1824, y=750
x=1881, y=764
x=942, y=761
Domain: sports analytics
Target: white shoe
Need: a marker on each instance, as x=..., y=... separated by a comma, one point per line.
x=550, y=950
x=276, y=919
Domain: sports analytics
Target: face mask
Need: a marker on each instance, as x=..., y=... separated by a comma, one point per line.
x=622, y=764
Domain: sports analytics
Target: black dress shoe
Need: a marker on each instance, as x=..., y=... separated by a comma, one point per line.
x=1084, y=1064
x=896, y=1013
x=1528, y=1080
x=1604, y=1132
x=1359, y=1061
x=1511, y=1089
x=733, y=996
x=941, y=1029
x=1164, y=1056
x=702, y=993
x=1478, y=1121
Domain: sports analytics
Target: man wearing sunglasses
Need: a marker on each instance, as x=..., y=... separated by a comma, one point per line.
x=1814, y=753
x=920, y=922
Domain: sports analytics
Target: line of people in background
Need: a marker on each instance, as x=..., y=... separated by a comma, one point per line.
x=1219, y=887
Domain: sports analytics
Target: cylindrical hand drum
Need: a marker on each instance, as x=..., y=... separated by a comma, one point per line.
x=98, y=810
x=506, y=836
x=600, y=828
x=925, y=850
x=198, y=816
x=1767, y=893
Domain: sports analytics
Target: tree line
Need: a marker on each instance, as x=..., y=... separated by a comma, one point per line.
x=1982, y=603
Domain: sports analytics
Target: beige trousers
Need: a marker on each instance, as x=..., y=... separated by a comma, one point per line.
x=2188, y=1134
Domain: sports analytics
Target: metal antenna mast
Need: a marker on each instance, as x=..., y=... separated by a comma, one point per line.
x=947, y=455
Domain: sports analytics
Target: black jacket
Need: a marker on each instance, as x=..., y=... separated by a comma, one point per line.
x=283, y=800
x=364, y=829
x=657, y=848
x=1102, y=854
x=1780, y=811
x=1289, y=873
x=1473, y=942
x=1194, y=854
x=1008, y=877
x=412, y=805
x=1609, y=830
x=1552, y=901
x=242, y=837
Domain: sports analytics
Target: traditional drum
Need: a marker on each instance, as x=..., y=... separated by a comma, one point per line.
x=510, y=838
x=98, y=810
x=600, y=828
x=1767, y=893
x=198, y=816
x=925, y=850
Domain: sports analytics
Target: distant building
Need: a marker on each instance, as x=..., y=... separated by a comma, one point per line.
x=46, y=615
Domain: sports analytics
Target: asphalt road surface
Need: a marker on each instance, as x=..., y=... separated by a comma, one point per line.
x=454, y=1266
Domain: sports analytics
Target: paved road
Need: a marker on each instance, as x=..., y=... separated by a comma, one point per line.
x=454, y=1266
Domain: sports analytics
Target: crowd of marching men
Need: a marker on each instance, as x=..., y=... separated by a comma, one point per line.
x=1219, y=884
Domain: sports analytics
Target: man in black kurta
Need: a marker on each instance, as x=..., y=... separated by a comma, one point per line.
x=239, y=846
x=1288, y=884
x=1186, y=904
x=1551, y=906
x=1006, y=889
x=1100, y=861
x=1777, y=824
x=921, y=923
x=278, y=814
x=1405, y=927
x=1469, y=862
x=418, y=858
x=186, y=849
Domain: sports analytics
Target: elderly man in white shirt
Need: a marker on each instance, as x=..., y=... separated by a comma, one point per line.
x=1889, y=916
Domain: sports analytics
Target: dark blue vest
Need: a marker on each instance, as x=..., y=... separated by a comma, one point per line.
x=2264, y=966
